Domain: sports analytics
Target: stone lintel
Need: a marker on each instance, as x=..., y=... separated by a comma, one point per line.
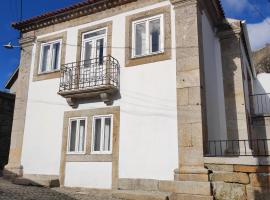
x=182, y=3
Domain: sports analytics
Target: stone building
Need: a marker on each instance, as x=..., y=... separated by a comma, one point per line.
x=149, y=98
x=7, y=101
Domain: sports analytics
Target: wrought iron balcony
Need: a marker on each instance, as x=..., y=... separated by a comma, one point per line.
x=235, y=148
x=260, y=104
x=94, y=78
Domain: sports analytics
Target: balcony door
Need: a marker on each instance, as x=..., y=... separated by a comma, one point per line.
x=93, y=70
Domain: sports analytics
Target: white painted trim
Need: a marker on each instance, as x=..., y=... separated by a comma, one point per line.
x=78, y=119
x=148, y=48
x=50, y=54
x=102, y=117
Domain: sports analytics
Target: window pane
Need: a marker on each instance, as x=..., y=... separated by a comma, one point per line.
x=55, y=55
x=81, y=135
x=94, y=34
x=100, y=50
x=154, y=29
x=107, y=135
x=45, y=58
x=87, y=53
x=97, y=134
x=72, y=137
x=140, y=39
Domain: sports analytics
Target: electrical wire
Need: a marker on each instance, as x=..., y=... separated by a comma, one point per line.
x=259, y=12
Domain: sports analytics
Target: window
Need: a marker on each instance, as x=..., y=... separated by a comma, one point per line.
x=148, y=36
x=94, y=46
x=102, y=134
x=50, y=56
x=77, y=132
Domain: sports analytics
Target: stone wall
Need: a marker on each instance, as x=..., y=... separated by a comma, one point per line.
x=240, y=182
x=6, y=116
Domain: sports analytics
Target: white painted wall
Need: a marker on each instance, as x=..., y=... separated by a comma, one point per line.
x=92, y=175
x=216, y=118
x=148, y=125
x=262, y=83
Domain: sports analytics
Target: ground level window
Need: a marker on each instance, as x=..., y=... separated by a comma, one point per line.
x=102, y=134
x=76, y=139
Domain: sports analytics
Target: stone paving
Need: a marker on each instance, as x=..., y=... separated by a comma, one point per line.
x=9, y=191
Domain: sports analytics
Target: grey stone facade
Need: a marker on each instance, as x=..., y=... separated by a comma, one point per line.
x=6, y=115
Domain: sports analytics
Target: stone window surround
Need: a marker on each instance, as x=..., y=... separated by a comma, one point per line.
x=107, y=25
x=54, y=74
x=166, y=55
x=88, y=156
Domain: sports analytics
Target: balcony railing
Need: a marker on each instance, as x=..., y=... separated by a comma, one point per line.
x=90, y=78
x=235, y=148
x=261, y=104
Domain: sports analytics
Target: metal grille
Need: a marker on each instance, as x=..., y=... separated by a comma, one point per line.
x=90, y=74
x=261, y=104
x=230, y=148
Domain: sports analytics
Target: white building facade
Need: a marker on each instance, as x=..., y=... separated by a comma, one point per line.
x=120, y=93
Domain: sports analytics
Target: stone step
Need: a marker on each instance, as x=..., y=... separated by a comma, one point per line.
x=141, y=195
x=186, y=187
x=36, y=182
x=190, y=197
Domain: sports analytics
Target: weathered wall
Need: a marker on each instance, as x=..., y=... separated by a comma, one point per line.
x=262, y=83
x=6, y=116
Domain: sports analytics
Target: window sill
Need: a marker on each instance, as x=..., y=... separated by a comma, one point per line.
x=48, y=72
x=89, y=158
x=46, y=75
x=76, y=153
x=147, y=55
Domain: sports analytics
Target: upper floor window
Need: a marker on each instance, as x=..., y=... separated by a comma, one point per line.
x=50, y=56
x=102, y=134
x=148, y=36
x=76, y=136
x=94, y=45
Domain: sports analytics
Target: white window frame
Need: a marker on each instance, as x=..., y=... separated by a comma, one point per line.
x=51, y=43
x=94, y=38
x=102, y=137
x=148, y=48
x=76, y=141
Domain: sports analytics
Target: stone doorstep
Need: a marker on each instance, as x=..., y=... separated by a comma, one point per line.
x=50, y=183
x=230, y=177
x=140, y=195
x=190, y=197
x=186, y=187
x=182, y=187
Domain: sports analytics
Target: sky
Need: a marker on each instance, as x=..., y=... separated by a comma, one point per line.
x=255, y=12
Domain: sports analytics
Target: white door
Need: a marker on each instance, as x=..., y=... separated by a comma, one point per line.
x=93, y=68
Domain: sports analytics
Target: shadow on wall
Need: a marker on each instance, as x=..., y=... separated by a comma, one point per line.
x=261, y=131
x=6, y=117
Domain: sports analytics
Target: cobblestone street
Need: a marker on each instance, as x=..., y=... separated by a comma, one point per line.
x=9, y=191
